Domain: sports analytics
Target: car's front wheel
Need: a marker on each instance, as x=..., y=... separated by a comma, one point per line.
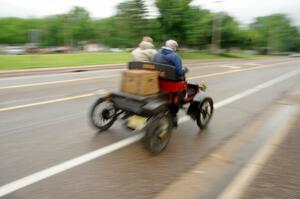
x=205, y=113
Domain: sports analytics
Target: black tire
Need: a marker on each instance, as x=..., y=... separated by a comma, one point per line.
x=205, y=113
x=103, y=114
x=158, y=133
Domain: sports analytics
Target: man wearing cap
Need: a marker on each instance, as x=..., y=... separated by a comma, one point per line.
x=167, y=55
x=145, y=51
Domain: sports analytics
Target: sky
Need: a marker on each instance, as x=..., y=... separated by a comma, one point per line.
x=243, y=10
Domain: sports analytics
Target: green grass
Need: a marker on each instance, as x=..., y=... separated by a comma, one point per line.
x=197, y=55
x=57, y=60
x=8, y=62
x=244, y=56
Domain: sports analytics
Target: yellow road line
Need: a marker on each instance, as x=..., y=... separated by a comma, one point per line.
x=57, y=82
x=92, y=94
x=47, y=102
x=93, y=78
x=234, y=71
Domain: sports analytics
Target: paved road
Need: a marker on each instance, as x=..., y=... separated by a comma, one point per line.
x=43, y=122
x=273, y=181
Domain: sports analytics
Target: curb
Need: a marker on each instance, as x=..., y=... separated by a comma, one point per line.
x=65, y=69
x=52, y=70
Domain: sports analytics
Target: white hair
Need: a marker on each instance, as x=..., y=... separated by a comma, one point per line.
x=172, y=44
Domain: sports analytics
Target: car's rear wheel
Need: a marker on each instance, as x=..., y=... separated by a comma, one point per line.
x=103, y=114
x=158, y=133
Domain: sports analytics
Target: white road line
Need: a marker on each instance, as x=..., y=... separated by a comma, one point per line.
x=236, y=71
x=252, y=64
x=230, y=66
x=91, y=94
x=57, y=82
x=257, y=88
x=11, y=187
x=36, y=177
x=88, y=94
x=242, y=180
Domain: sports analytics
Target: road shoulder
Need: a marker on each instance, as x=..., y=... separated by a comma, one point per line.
x=219, y=174
x=279, y=177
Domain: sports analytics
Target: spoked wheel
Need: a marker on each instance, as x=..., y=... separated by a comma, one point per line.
x=205, y=113
x=103, y=114
x=158, y=133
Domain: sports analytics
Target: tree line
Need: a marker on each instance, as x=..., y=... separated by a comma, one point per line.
x=192, y=26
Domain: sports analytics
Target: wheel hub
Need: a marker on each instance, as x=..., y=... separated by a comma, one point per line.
x=106, y=114
x=205, y=112
x=162, y=135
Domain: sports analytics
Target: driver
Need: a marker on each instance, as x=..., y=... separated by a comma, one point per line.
x=167, y=55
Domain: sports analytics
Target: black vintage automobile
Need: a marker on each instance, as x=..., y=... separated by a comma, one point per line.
x=154, y=114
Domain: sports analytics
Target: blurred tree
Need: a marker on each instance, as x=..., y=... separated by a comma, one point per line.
x=79, y=26
x=173, y=18
x=134, y=13
x=131, y=19
x=231, y=34
x=275, y=33
x=68, y=29
x=126, y=28
x=16, y=30
x=198, y=29
x=247, y=39
x=191, y=26
x=53, y=30
x=112, y=32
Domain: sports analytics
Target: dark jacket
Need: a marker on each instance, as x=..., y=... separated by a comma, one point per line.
x=168, y=56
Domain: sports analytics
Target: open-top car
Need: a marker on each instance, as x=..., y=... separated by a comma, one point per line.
x=154, y=114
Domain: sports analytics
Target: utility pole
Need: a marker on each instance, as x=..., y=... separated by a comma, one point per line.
x=34, y=36
x=216, y=31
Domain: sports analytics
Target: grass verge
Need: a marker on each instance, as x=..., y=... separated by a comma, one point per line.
x=9, y=62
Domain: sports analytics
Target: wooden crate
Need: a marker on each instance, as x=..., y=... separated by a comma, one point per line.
x=140, y=82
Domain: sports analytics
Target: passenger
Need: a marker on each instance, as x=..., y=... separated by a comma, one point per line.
x=167, y=55
x=145, y=51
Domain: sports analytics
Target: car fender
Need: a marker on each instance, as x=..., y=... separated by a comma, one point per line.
x=195, y=104
x=156, y=106
x=200, y=96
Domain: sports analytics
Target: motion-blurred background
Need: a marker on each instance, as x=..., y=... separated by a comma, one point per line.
x=265, y=27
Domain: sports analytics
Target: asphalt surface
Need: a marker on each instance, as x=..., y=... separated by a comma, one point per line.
x=38, y=131
x=280, y=176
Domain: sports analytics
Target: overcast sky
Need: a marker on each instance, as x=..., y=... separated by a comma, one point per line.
x=243, y=10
